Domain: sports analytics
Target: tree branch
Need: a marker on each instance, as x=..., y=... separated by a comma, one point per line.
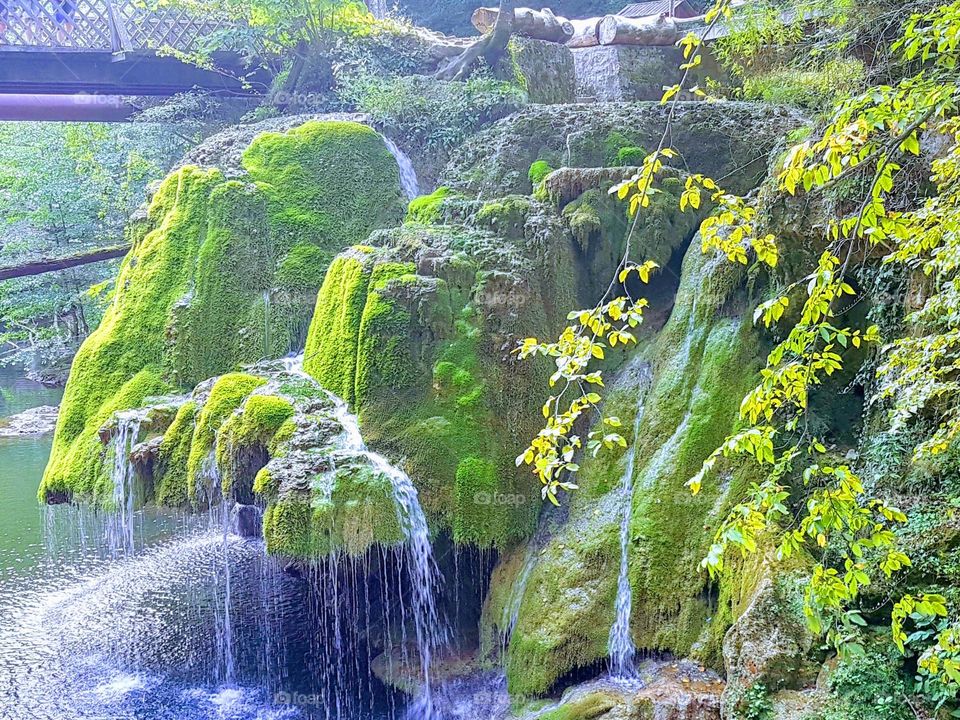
x=45, y=265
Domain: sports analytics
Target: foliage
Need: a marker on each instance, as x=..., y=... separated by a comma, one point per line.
x=551, y=453
x=431, y=114
x=754, y=704
x=868, y=686
x=266, y=30
x=848, y=531
x=870, y=136
x=811, y=88
x=65, y=188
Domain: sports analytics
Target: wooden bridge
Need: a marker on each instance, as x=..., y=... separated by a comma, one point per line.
x=98, y=49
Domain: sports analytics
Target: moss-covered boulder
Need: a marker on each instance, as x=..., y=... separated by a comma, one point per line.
x=417, y=333
x=222, y=272
x=545, y=70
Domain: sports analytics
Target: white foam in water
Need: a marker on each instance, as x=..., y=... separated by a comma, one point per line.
x=620, y=645
x=119, y=687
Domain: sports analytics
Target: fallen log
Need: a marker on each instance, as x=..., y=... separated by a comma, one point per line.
x=584, y=33
x=45, y=265
x=619, y=30
x=536, y=24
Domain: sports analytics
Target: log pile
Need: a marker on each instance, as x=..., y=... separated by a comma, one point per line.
x=607, y=30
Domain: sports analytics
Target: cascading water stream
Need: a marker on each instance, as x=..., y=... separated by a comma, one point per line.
x=430, y=633
x=620, y=645
x=408, y=176
x=120, y=527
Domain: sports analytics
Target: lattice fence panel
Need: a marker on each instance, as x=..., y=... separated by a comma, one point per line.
x=87, y=24
x=56, y=24
x=168, y=26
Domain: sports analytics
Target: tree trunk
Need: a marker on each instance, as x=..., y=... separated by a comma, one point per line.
x=585, y=33
x=536, y=24
x=618, y=30
x=38, y=267
x=490, y=47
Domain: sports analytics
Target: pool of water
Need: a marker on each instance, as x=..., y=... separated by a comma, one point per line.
x=196, y=623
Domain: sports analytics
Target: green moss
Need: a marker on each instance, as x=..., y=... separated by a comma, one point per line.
x=234, y=266
x=506, y=215
x=253, y=428
x=622, y=149
x=131, y=338
x=384, y=355
x=262, y=417
x=688, y=410
x=350, y=509
x=426, y=208
x=265, y=484
x=588, y=707
x=227, y=394
x=327, y=183
x=477, y=489
x=303, y=268
x=195, y=296
x=567, y=609
x=331, y=351
x=584, y=221
x=538, y=172
x=171, y=487
x=281, y=437
x=627, y=156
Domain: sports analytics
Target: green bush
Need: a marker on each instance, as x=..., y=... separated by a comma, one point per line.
x=805, y=88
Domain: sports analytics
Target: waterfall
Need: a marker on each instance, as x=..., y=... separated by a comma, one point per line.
x=225, y=622
x=620, y=645
x=408, y=176
x=120, y=532
x=430, y=633
x=511, y=608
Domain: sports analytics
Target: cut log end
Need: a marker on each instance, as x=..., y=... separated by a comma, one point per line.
x=619, y=30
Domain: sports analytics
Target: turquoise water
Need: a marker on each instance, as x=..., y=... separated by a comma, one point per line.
x=21, y=465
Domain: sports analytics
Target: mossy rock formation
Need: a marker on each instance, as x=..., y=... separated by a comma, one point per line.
x=416, y=334
x=222, y=272
x=567, y=608
x=715, y=139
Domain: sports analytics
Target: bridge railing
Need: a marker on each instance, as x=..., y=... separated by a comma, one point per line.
x=105, y=25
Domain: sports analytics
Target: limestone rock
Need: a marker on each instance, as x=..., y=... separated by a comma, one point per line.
x=729, y=138
x=768, y=644
x=664, y=690
x=35, y=421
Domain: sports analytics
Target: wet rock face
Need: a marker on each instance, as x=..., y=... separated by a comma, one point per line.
x=713, y=138
x=662, y=691
x=247, y=521
x=768, y=644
